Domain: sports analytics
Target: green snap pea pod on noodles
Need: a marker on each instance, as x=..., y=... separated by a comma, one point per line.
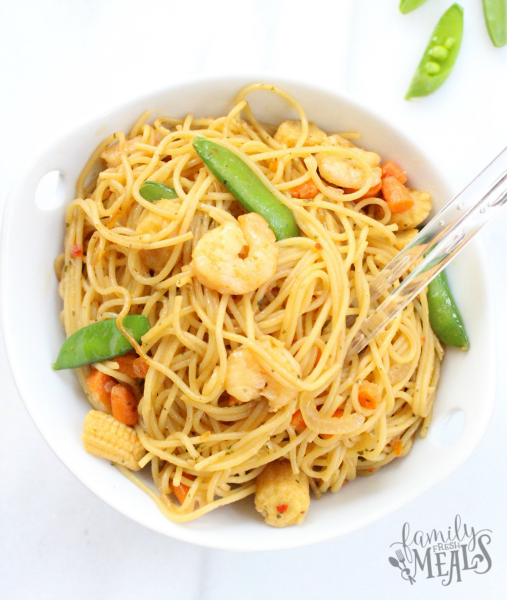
x=153, y=191
x=100, y=341
x=407, y=6
x=445, y=318
x=237, y=177
x=440, y=54
x=495, y=13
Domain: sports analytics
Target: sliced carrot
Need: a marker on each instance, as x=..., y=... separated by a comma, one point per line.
x=396, y=195
x=124, y=405
x=368, y=395
x=181, y=491
x=305, y=190
x=397, y=447
x=100, y=386
x=75, y=251
x=371, y=193
x=297, y=421
x=273, y=165
x=391, y=169
x=141, y=367
x=132, y=365
x=337, y=414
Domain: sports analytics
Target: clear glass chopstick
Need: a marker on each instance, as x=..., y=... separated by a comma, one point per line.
x=436, y=244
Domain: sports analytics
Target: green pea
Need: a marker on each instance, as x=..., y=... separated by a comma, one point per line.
x=153, y=191
x=100, y=341
x=439, y=52
x=432, y=68
x=429, y=75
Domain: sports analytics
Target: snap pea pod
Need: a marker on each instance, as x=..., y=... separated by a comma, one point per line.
x=153, y=191
x=445, y=317
x=440, y=55
x=246, y=187
x=495, y=13
x=100, y=341
x=407, y=6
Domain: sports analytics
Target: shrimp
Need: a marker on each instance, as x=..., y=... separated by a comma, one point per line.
x=346, y=172
x=247, y=379
x=289, y=133
x=216, y=257
x=112, y=154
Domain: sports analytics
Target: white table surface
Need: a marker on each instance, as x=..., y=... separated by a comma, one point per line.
x=65, y=60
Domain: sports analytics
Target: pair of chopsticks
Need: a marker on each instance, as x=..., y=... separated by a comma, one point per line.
x=436, y=244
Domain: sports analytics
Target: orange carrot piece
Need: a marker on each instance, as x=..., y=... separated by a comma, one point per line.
x=391, y=169
x=181, y=491
x=132, y=365
x=141, y=367
x=337, y=414
x=273, y=165
x=371, y=193
x=297, y=421
x=100, y=386
x=368, y=395
x=397, y=447
x=282, y=508
x=305, y=190
x=124, y=405
x=396, y=195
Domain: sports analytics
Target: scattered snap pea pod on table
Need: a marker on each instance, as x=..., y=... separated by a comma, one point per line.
x=495, y=13
x=100, y=341
x=445, y=318
x=407, y=6
x=153, y=191
x=245, y=186
x=440, y=55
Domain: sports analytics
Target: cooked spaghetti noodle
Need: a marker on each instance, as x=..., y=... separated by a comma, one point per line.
x=135, y=257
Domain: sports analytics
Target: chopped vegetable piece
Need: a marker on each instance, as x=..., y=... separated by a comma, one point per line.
x=105, y=437
x=371, y=193
x=297, y=421
x=305, y=190
x=396, y=195
x=445, y=317
x=407, y=6
x=495, y=13
x=434, y=68
x=75, y=251
x=273, y=165
x=368, y=395
x=100, y=341
x=181, y=491
x=132, y=365
x=124, y=405
x=100, y=386
x=337, y=414
x=153, y=191
x=282, y=508
x=391, y=169
x=245, y=186
x=397, y=447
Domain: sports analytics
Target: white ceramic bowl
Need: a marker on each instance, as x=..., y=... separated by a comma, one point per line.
x=32, y=238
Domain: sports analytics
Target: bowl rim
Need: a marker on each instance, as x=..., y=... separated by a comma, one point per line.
x=192, y=535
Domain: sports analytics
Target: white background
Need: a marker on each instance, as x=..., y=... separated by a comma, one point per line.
x=63, y=61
